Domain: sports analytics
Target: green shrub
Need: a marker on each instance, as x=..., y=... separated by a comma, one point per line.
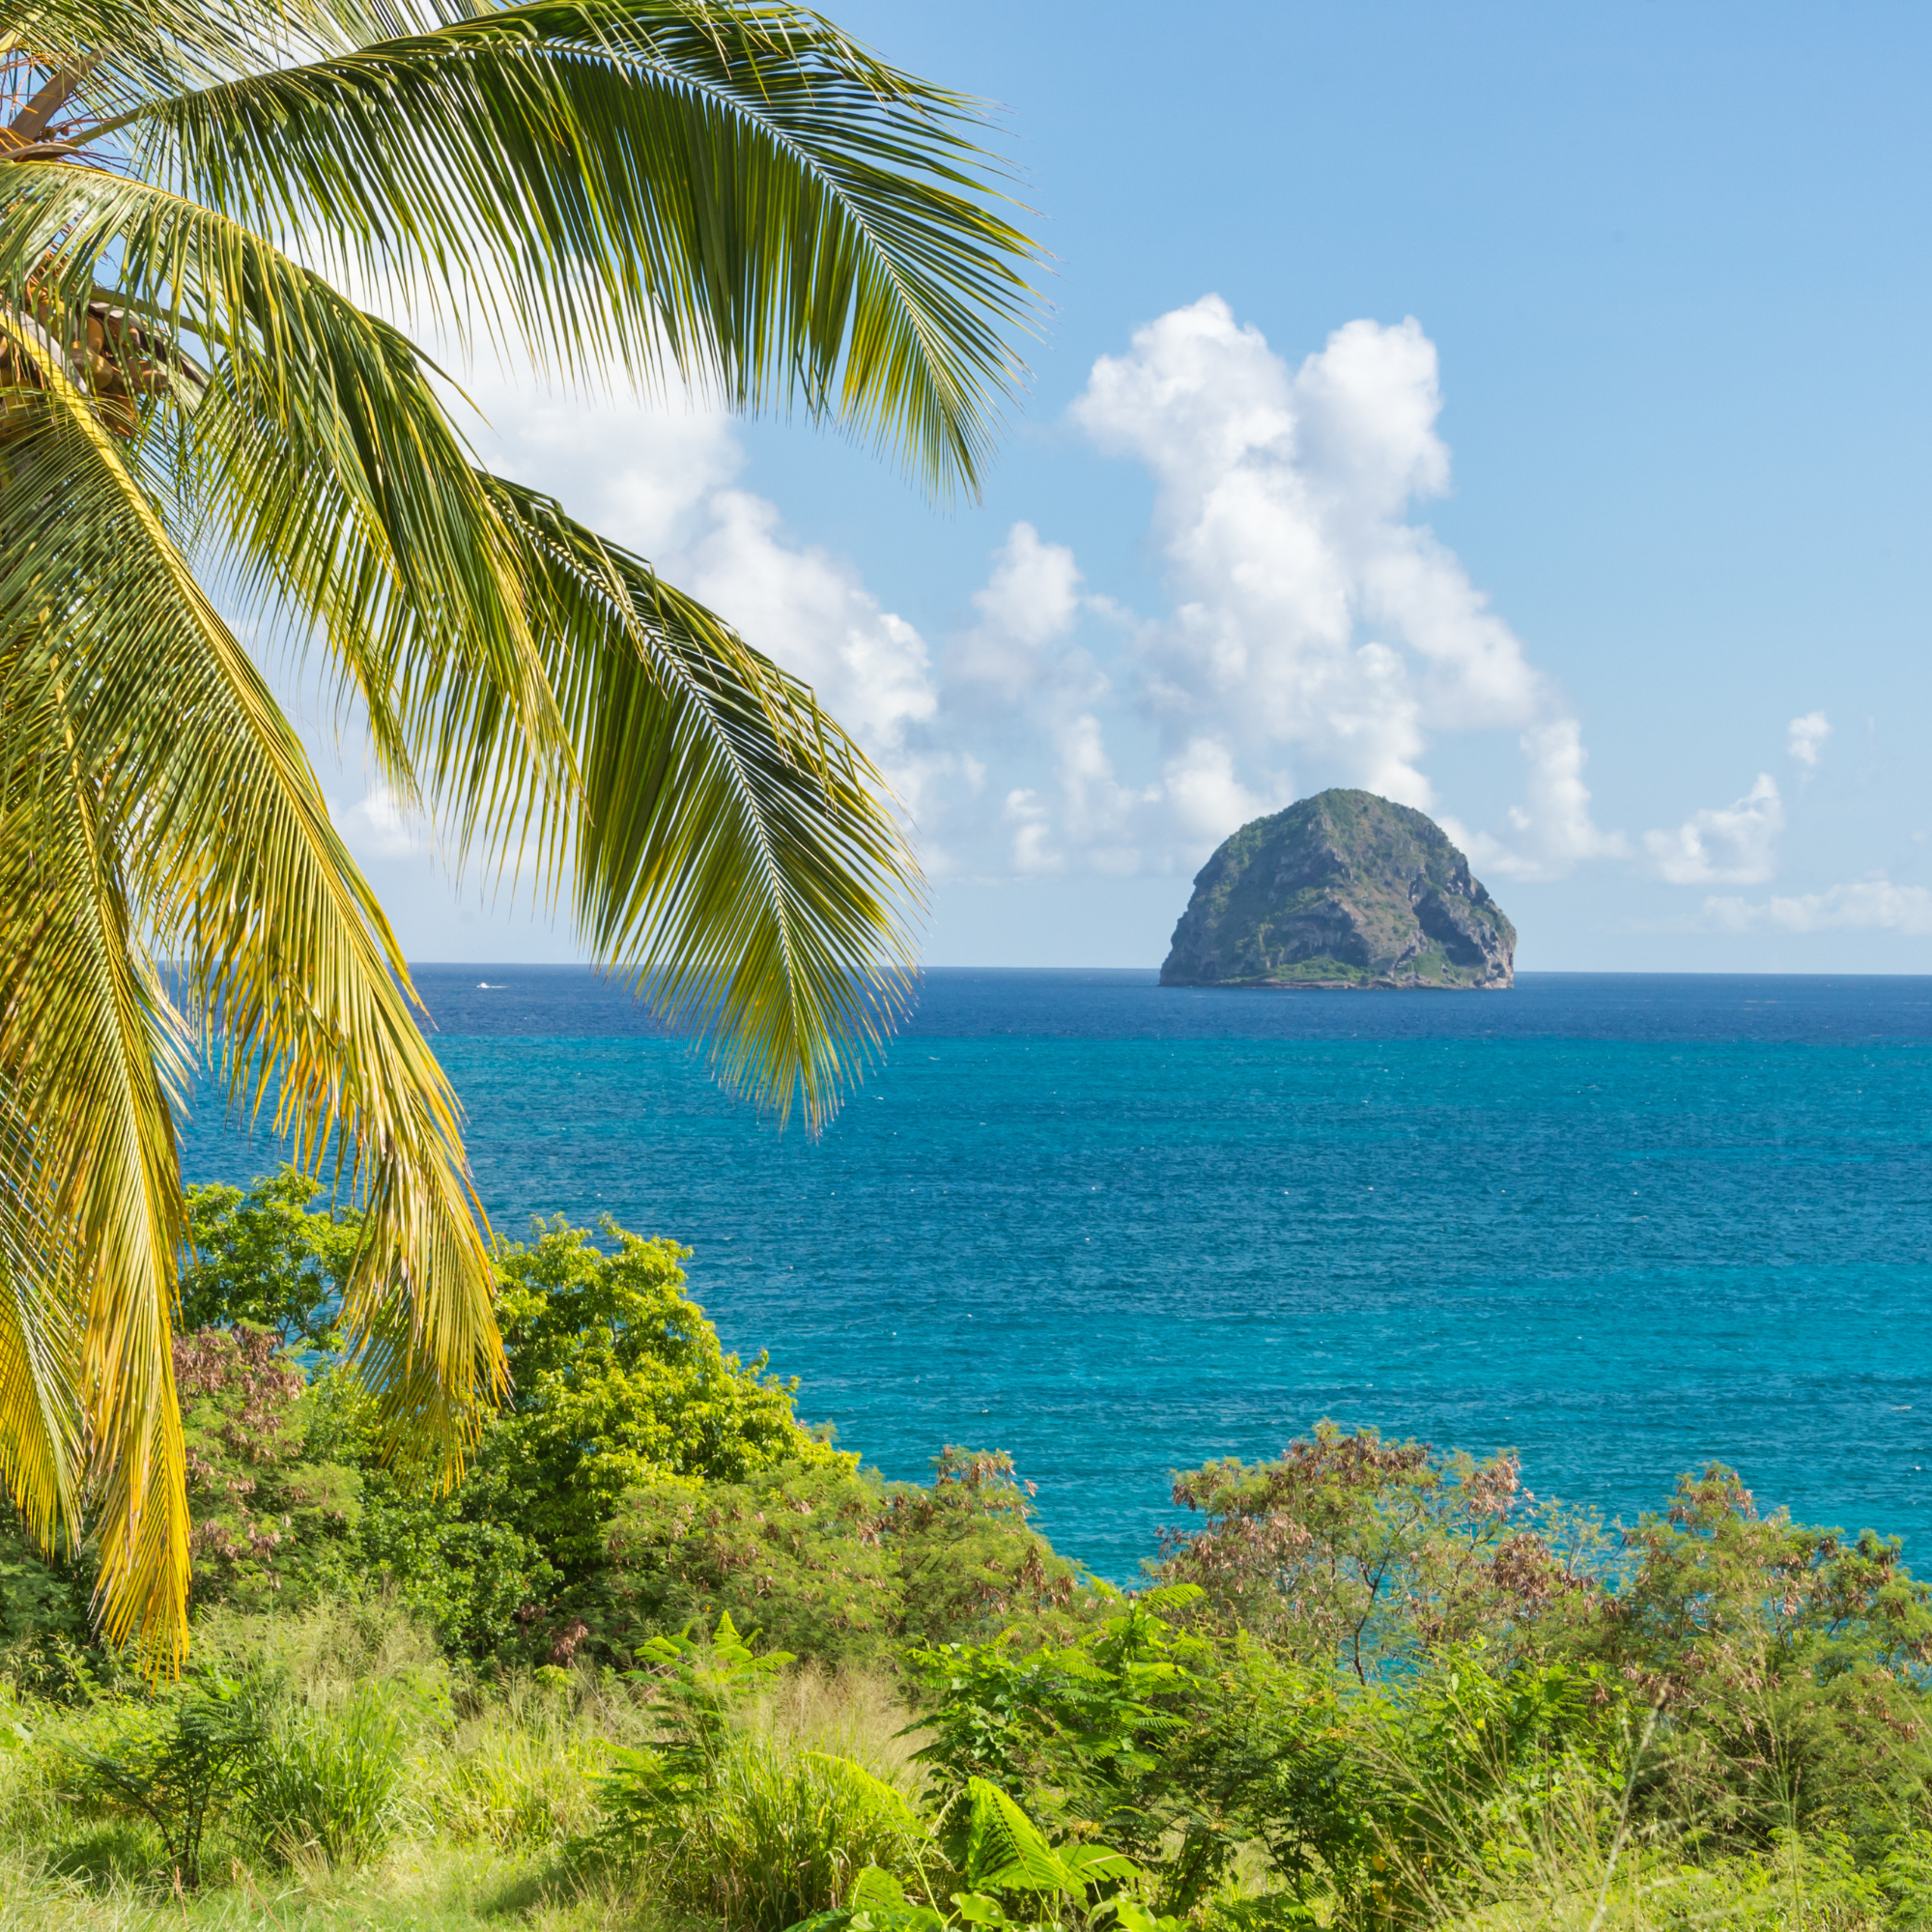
x=1099, y=1736
x=831, y=1563
x=970, y=1561
x=178, y=1763
x=1349, y=1550
x=1012, y=1877
x=46, y=1630
x=262, y=1257
x=795, y=1552
x=270, y=1519
x=772, y=1836
x=450, y=1561
x=725, y=1822
x=1787, y=1664
x=616, y=1378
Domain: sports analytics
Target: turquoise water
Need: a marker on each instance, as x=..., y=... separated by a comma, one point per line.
x=1622, y=1224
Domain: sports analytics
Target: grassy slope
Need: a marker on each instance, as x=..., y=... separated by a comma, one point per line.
x=450, y=1888
x=500, y=1776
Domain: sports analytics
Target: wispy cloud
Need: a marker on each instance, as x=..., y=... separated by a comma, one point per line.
x=1869, y=905
x=1805, y=738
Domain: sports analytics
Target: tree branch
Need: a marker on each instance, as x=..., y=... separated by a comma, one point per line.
x=32, y=120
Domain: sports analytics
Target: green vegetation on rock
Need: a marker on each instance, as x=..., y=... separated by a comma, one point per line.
x=1343, y=890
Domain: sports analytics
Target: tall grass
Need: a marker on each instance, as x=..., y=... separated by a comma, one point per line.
x=1568, y=1882
x=416, y=1887
x=770, y=1817
x=328, y=1781
x=1576, y=1856
x=853, y=1712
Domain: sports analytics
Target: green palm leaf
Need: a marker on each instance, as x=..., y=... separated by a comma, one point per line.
x=732, y=850
x=226, y=845
x=739, y=191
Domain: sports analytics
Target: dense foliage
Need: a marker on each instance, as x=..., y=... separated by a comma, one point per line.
x=635, y=1477
x=666, y=1647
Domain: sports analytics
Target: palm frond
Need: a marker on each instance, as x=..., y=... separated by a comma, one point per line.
x=336, y=494
x=738, y=192
x=224, y=842
x=42, y=1274
x=86, y=1046
x=735, y=852
x=731, y=849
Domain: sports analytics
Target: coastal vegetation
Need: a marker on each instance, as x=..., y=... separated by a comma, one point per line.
x=667, y=1656
x=217, y=446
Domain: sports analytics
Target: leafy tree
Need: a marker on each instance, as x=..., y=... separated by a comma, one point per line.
x=1350, y=1548
x=1712, y=1580
x=795, y=1554
x=835, y=1565
x=262, y=1257
x=1786, y=1665
x=618, y=1378
x=716, y=191
x=265, y=1510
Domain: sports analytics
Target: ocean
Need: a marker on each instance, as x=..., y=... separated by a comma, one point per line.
x=1622, y=1224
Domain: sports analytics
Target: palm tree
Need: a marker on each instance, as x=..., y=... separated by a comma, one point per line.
x=200, y=431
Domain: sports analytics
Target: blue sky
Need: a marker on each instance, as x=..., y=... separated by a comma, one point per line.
x=1557, y=427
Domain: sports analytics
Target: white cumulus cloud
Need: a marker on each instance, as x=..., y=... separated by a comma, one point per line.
x=1734, y=844
x=1031, y=599
x=1869, y=905
x=1318, y=625
x=1316, y=632
x=1208, y=799
x=812, y=612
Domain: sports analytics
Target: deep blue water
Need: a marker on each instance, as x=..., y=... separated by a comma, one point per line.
x=1621, y=1223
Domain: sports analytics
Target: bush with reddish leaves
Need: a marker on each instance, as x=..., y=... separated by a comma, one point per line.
x=266, y=1512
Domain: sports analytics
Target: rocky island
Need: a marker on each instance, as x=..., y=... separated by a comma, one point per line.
x=1342, y=890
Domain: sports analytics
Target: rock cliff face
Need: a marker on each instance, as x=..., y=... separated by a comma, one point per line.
x=1341, y=890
